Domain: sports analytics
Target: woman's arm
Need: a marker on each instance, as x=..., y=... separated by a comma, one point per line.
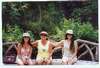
x=18, y=48
x=35, y=43
x=55, y=46
x=51, y=46
x=59, y=44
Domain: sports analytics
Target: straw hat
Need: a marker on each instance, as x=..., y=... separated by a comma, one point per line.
x=69, y=32
x=26, y=34
x=43, y=32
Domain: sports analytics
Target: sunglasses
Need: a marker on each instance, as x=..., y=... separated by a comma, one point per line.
x=25, y=37
x=69, y=34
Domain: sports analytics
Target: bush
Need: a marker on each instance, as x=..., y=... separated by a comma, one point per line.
x=12, y=34
x=87, y=32
x=83, y=30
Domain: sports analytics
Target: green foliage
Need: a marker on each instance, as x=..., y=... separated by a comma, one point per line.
x=31, y=35
x=49, y=16
x=12, y=34
x=83, y=31
x=59, y=34
x=88, y=9
x=87, y=32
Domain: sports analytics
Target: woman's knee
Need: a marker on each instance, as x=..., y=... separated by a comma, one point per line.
x=39, y=62
x=30, y=63
x=72, y=61
x=20, y=62
x=49, y=62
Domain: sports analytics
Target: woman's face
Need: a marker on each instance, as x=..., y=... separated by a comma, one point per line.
x=26, y=39
x=69, y=36
x=43, y=36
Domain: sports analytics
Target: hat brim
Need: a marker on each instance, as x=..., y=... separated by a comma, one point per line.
x=26, y=36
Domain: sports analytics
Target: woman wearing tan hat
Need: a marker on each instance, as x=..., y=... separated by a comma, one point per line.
x=44, y=47
x=69, y=48
x=24, y=50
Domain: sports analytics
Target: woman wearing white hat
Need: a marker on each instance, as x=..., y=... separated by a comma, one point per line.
x=44, y=47
x=24, y=50
x=69, y=48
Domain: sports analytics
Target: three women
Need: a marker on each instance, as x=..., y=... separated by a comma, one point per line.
x=45, y=49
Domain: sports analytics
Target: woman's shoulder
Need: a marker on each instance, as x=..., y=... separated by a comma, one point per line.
x=75, y=43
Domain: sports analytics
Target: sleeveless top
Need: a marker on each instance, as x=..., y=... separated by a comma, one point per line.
x=25, y=52
x=43, y=49
x=66, y=49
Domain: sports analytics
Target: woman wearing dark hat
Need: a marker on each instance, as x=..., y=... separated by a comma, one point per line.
x=69, y=48
x=24, y=50
x=44, y=49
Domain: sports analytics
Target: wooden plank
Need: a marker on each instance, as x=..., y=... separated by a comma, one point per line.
x=10, y=43
x=88, y=42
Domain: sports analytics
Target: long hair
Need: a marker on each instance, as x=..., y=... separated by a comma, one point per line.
x=72, y=47
x=22, y=41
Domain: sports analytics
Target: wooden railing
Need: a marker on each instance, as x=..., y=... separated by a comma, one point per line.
x=87, y=44
x=89, y=47
x=12, y=44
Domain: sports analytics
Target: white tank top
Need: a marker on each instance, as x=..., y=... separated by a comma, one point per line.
x=43, y=49
x=66, y=49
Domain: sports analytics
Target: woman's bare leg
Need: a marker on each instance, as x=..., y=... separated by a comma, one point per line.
x=49, y=61
x=30, y=62
x=39, y=61
x=72, y=61
x=64, y=60
x=20, y=62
